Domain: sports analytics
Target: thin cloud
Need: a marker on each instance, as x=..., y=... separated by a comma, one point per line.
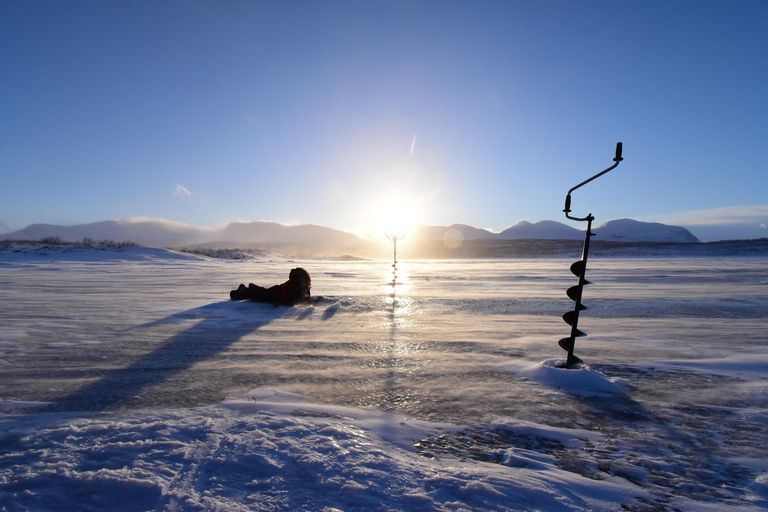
x=181, y=190
x=756, y=214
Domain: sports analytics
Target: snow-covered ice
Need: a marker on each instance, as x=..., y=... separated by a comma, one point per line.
x=130, y=382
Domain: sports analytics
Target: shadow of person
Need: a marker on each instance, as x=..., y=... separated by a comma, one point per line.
x=220, y=325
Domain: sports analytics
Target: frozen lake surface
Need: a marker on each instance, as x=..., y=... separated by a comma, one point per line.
x=131, y=382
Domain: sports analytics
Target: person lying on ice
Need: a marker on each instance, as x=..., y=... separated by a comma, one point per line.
x=296, y=289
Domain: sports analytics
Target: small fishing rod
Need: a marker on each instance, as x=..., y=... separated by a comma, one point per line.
x=394, y=237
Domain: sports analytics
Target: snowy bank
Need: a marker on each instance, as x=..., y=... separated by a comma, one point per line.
x=274, y=451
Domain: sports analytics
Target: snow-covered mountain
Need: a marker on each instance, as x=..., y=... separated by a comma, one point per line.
x=628, y=230
x=453, y=231
x=274, y=232
x=144, y=231
x=623, y=230
x=545, y=229
x=164, y=233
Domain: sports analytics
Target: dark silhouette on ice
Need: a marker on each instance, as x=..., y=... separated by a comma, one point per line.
x=579, y=269
x=293, y=291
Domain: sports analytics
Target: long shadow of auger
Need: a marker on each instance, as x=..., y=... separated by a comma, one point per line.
x=221, y=324
x=665, y=450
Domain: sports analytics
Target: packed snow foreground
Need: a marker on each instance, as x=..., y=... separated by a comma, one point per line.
x=130, y=382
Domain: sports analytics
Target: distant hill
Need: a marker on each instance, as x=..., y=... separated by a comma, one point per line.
x=163, y=233
x=628, y=230
x=149, y=232
x=274, y=232
x=542, y=230
x=276, y=236
x=453, y=231
x=623, y=230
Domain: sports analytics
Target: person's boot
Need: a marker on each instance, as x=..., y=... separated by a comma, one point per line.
x=239, y=294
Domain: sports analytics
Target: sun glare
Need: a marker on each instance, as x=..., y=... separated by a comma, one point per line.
x=396, y=219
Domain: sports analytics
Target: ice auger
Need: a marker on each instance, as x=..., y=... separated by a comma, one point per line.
x=579, y=269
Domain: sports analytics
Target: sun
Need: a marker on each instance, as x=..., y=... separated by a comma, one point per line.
x=395, y=219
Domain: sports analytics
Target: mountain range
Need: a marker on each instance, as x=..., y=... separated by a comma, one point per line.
x=164, y=233
x=622, y=230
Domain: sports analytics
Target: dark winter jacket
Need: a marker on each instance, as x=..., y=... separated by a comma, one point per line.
x=295, y=290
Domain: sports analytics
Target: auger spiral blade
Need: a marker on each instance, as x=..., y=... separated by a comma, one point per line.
x=578, y=268
x=572, y=319
x=574, y=292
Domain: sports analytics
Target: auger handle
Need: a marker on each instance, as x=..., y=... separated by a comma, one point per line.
x=567, y=209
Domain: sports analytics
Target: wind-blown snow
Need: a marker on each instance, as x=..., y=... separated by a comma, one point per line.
x=130, y=382
x=580, y=380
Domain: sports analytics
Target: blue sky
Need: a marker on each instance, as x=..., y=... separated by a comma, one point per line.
x=334, y=113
